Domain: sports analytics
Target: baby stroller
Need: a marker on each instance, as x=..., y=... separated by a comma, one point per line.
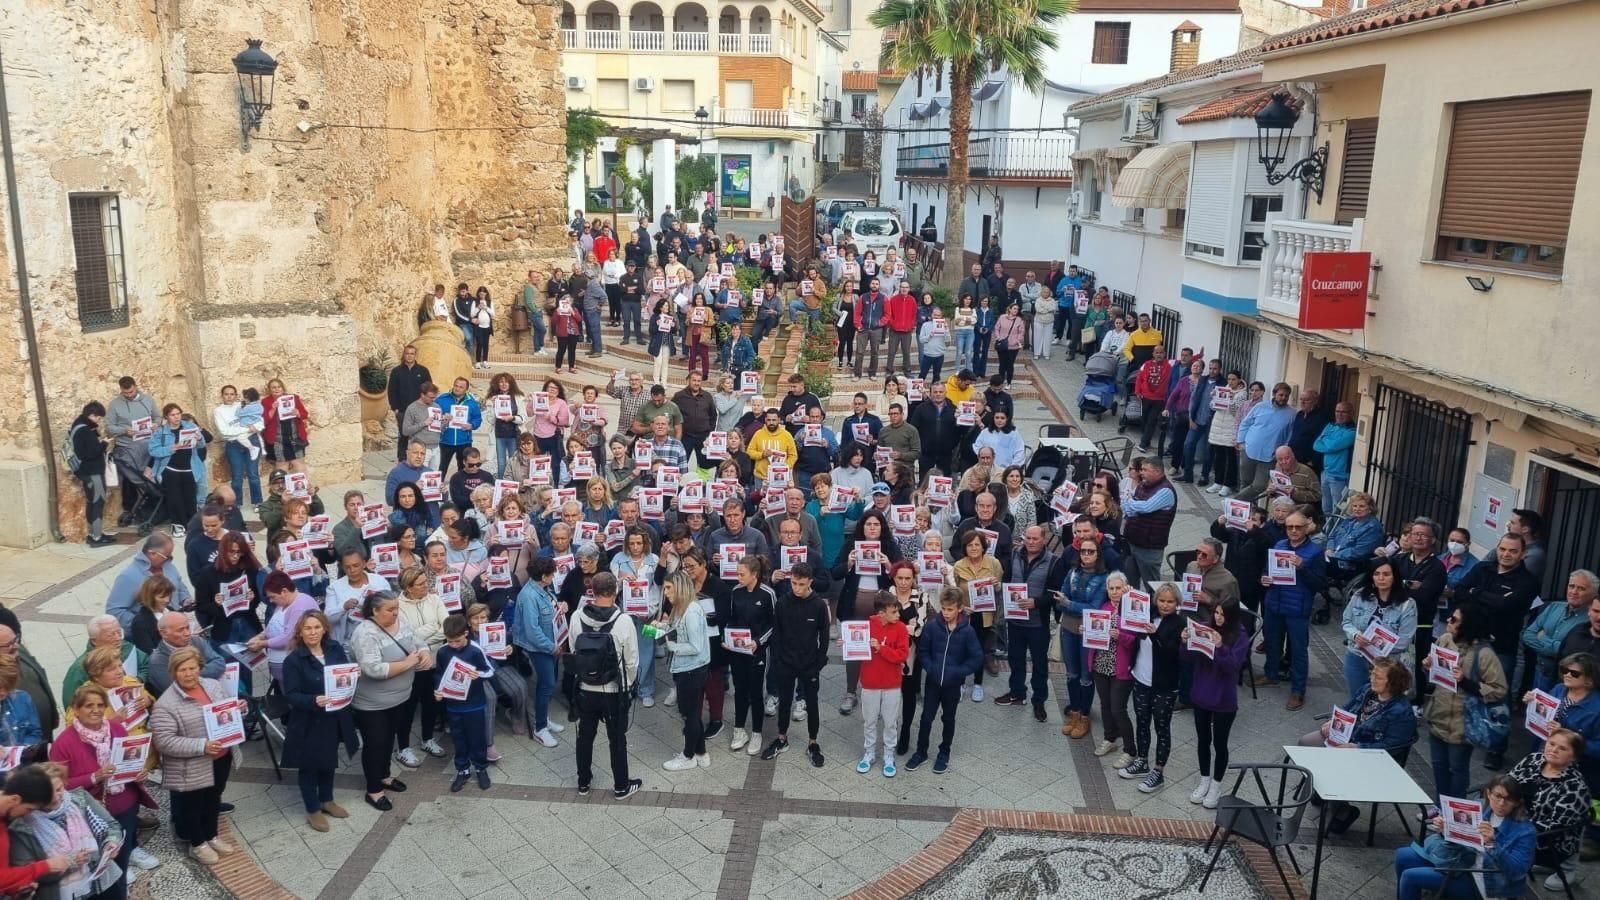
x=1099, y=393
x=149, y=504
x=1048, y=467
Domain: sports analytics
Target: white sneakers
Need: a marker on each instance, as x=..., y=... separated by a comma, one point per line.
x=772, y=705
x=544, y=737
x=739, y=740
x=408, y=758
x=977, y=693
x=432, y=748
x=649, y=702
x=680, y=763
x=554, y=727
x=1199, y=793
x=1213, y=796
x=671, y=699
x=1104, y=747
x=141, y=858
x=1213, y=487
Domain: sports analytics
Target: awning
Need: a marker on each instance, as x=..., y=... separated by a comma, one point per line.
x=987, y=91
x=937, y=104
x=1158, y=178
x=919, y=111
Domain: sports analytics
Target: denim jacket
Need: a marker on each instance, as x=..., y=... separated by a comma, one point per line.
x=534, y=627
x=1391, y=726
x=1401, y=618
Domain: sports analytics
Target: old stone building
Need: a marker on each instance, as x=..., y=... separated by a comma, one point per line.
x=161, y=245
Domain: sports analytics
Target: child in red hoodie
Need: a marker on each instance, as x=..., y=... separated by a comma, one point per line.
x=880, y=682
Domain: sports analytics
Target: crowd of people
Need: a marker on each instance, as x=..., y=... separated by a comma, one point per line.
x=708, y=542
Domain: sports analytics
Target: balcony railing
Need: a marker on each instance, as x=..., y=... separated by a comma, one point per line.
x=642, y=41
x=602, y=40
x=763, y=118
x=1042, y=159
x=1283, y=261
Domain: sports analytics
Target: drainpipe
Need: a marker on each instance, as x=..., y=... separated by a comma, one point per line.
x=24, y=300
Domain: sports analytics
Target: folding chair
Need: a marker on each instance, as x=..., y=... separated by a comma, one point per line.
x=1271, y=823
x=1178, y=560
x=1247, y=675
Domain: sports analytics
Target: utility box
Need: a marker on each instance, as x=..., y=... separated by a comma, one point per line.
x=24, y=516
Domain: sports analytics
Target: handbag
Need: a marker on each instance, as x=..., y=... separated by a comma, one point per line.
x=1089, y=335
x=1486, y=723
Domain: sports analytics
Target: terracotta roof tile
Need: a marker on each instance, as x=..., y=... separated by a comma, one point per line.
x=860, y=81
x=1239, y=104
x=1373, y=18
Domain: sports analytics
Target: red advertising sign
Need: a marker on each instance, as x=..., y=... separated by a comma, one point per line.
x=1333, y=290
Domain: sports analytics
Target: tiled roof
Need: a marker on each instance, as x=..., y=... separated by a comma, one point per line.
x=1239, y=104
x=860, y=81
x=1236, y=62
x=1373, y=18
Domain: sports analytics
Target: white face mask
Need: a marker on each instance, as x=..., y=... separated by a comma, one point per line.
x=1456, y=548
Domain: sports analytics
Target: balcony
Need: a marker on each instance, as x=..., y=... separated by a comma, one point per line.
x=1288, y=241
x=1023, y=159
x=761, y=118
x=643, y=41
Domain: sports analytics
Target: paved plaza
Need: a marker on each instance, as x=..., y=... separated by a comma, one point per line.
x=1023, y=810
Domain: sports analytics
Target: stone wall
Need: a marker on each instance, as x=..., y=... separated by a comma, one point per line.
x=438, y=156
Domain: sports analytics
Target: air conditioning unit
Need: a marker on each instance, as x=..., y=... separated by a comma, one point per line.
x=1141, y=121
x=576, y=82
x=644, y=84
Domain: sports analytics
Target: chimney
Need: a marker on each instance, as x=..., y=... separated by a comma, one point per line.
x=1185, y=46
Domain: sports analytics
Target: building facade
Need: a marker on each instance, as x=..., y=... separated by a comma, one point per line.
x=1464, y=157
x=159, y=245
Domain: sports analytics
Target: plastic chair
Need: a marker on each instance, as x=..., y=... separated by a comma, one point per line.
x=1268, y=822
x=1178, y=560
x=1247, y=674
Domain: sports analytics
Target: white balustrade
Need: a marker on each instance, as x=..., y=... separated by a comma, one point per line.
x=1283, y=262
x=602, y=40
x=647, y=40
x=761, y=43
x=569, y=38
x=691, y=41
x=730, y=43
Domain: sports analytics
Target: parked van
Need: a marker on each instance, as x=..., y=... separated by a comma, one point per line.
x=838, y=206
x=875, y=228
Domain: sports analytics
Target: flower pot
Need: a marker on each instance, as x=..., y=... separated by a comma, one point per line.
x=374, y=407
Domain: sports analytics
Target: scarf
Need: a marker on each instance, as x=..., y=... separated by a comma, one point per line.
x=99, y=740
x=64, y=831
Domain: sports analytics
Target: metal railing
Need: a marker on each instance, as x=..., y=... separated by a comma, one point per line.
x=1167, y=320
x=1283, y=261
x=602, y=40
x=1123, y=300
x=1021, y=157
x=1238, y=348
x=691, y=42
x=923, y=159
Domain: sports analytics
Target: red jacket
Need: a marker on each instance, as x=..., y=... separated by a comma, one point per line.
x=902, y=309
x=1151, y=383
x=14, y=878
x=269, y=418
x=568, y=325
x=884, y=670
x=603, y=246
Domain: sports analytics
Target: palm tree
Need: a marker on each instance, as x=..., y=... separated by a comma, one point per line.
x=971, y=37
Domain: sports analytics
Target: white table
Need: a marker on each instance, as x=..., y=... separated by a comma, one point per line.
x=1353, y=776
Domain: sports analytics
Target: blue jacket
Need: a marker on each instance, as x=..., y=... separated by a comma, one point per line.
x=164, y=443
x=949, y=656
x=1355, y=539
x=1510, y=858
x=741, y=354
x=1083, y=591
x=1296, y=600
x=19, y=720
x=1584, y=718
x=1335, y=443
x=457, y=437
x=1200, y=411
x=986, y=318
x=1264, y=429
x=534, y=628
x=1391, y=726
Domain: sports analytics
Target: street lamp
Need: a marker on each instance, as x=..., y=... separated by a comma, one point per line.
x=1274, y=123
x=701, y=118
x=255, y=68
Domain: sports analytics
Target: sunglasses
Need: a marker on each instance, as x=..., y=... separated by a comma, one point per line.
x=1572, y=673
x=1088, y=552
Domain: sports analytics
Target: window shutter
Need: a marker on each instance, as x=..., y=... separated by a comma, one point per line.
x=1102, y=44
x=1513, y=167
x=1211, y=198
x=1355, y=173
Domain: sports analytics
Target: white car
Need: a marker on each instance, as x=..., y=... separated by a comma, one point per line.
x=874, y=228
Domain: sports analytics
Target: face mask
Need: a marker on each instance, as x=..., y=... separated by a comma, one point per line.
x=1456, y=548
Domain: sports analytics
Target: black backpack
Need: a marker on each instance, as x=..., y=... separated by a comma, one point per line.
x=595, y=655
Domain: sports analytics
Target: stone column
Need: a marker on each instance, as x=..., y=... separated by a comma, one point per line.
x=664, y=170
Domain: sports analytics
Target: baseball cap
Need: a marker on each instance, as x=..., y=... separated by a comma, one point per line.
x=881, y=488
x=277, y=475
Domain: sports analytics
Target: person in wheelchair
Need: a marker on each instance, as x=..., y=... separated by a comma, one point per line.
x=1352, y=541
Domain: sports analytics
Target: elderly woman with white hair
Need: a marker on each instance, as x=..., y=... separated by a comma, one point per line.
x=1113, y=680
x=105, y=631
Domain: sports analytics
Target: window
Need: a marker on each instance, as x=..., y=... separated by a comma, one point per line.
x=739, y=94
x=1256, y=209
x=1508, y=203
x=1077, y=240
x=97, y=249
x=612, y=93
x=1175, y=219
x=858, y=105
x=1136, y=215
x=677, y=95
x=1355, y=172
x=1111, y=43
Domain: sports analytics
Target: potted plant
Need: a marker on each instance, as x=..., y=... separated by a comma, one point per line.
x=817, y=351
x=373, y=386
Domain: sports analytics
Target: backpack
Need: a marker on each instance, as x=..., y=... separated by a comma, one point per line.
x=595, y=654
x=68, y=452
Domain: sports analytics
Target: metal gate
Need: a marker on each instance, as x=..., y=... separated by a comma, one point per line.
x=1416, y=457
x=1166, y=320
x=1122, y=300
x=1238, y=348
x=1571, y=509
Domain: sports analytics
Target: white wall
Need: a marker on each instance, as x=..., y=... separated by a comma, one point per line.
x=1149, y=45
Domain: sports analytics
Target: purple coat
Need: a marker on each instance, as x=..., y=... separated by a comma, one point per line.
x=1215, y=687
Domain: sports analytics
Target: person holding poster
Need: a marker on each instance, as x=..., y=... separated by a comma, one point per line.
x=1030, y=566
x=799, y=653
x=194, y=767
x=950, y=651
x=533, y=633
x=1383, y=720
x=1496, y=837
x=284, y=418
x=1477, y=672
x=976, y=564
x=859, y=586
x=468, y=721
x=1214, y=694
x=637, y=565
x=1083, y=590
x=70, y=836
x=750, y=605
x=888, y=649
x=319, y=725
x=1382, y=602
x=422, y=610
x=1558, y=800
x=1155, y=663
x=1289, y=603
x=689, y=643
x=84, y=748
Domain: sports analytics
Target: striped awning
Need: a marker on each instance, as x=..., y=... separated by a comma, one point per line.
x=1158, y=178
x=987, y=91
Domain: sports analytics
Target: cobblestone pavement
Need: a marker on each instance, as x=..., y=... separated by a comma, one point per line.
x=741, y=828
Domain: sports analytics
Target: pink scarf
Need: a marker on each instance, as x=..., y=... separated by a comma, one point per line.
x=99, y=740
